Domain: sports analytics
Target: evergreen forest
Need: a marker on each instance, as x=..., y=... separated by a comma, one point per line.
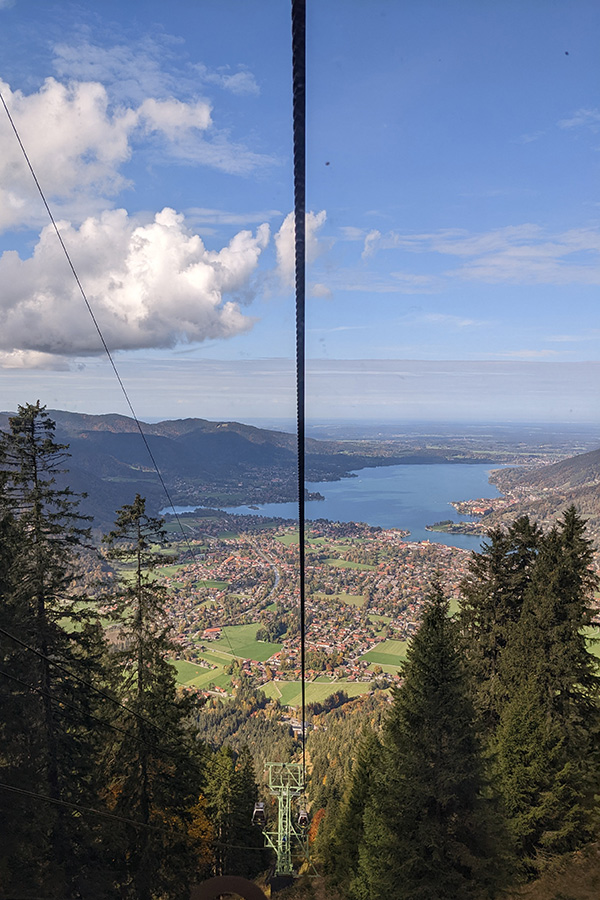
x=477, y=778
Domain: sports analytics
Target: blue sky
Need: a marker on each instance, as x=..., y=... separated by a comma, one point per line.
x=454, y=226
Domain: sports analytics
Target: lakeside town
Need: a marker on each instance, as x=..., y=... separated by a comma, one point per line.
x=235, y=604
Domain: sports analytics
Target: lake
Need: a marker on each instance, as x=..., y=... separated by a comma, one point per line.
x=408, y=497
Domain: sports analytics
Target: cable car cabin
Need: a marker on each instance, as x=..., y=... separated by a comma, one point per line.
x=259, y=816
x=303, y=820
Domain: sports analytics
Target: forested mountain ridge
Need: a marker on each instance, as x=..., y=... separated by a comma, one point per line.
x=203, y=462
x=547, y=491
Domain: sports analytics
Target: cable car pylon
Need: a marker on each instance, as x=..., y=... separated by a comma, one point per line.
x=286, y=784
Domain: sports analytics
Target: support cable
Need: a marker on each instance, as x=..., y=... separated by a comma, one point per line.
x=299, y=126
x=97, y=326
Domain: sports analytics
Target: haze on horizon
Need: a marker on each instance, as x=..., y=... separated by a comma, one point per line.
x=454, y=232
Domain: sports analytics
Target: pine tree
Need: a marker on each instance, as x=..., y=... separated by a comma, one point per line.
x=342, y=841
x=428, y=826
x=492, y=599
x=52, y=742
x=155, y=771
x=547, y=735
x=231, y=793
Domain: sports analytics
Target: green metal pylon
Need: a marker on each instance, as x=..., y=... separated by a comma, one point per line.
x=286, y=783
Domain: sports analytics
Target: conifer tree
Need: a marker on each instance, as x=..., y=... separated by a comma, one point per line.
x=231, y=793
x=546, y=742
x=52, y=743
x=492, y=599
x=341, y=841
x=428, y=828
x=155, y=771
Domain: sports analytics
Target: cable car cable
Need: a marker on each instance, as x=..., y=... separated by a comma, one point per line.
x=299, y=139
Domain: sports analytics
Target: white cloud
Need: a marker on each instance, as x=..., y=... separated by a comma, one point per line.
x=350, y=233
x=284, y=243
x=527, y=354
x=372, y=243
x=31, y=359
x=321, y=291
x=150, y=285
x=74, y=143
x=531, y=137
x=450, y=321
x=589, y=118
x=156, y=66
x=591, y=335
x=78, y=140
x=241, y=82
x=173, y=118
x=517, y=254
x=133, y=72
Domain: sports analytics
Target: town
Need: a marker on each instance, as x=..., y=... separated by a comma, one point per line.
x=235, y=604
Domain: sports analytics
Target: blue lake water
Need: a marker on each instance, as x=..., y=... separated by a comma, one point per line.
x=408, y=497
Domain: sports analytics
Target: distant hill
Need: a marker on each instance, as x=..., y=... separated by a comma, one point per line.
x=203, y=462
x=545, y=492
x=212, y=463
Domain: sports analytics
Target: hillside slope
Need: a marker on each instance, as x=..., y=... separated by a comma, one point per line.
x=544, y=493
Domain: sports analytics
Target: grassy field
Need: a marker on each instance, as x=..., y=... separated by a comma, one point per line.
x=213, y=583
x=389, y=653
x=192, y=675
x=289, y=692
x=349, y=564
x=169, y=571
x=288, y=540
x=348, y=599
x=240, y=641
x=379, y=620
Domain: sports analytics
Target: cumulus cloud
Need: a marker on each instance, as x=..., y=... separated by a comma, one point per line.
x=150, y=285
x=78, y=140
x=284, y=243
x=75, y=145
x=31, y=359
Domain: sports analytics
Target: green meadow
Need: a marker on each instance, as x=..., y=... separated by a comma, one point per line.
x=239, y=641
x=388, y=653
x=192, y=675
x=289, y=693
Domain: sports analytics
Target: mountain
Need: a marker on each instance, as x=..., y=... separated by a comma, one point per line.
x=203, y=462
x=545, y=492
